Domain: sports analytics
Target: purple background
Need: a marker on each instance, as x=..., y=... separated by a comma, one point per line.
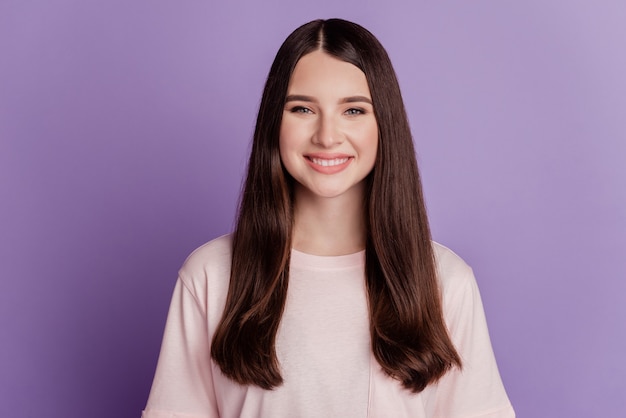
x=124, y=132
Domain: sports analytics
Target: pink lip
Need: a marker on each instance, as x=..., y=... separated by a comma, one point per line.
x=328, y=163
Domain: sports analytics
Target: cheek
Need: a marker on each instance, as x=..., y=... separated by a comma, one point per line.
x=286, y=149
x=286, y=134
x=369, y=142
x=292, y=137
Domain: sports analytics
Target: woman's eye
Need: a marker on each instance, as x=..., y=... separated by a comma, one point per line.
x=354, y=111
x=300, y=109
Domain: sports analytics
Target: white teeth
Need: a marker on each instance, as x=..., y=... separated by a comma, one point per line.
x=329, y=163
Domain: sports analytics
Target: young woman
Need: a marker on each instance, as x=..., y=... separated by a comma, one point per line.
x=329, y=299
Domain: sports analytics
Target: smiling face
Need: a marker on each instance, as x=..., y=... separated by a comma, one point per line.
x=328, y=135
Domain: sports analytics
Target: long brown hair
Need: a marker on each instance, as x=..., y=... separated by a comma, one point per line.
x=408, y=333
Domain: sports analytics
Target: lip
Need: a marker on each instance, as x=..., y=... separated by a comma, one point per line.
x=328, y=163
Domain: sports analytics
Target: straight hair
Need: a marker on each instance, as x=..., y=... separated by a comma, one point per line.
x=408, y=333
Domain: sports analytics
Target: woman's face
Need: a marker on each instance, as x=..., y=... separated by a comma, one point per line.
x=329, y=134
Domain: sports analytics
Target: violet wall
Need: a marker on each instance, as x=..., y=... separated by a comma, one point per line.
x=124, y=132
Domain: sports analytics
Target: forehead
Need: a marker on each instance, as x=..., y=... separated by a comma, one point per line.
x=319, y=71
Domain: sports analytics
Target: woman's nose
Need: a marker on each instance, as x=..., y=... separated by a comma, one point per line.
x=327, y=133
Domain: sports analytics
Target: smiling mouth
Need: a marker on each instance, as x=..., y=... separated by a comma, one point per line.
x=328, y=162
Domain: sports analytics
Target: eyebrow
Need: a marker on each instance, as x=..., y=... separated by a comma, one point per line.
x=351, y=99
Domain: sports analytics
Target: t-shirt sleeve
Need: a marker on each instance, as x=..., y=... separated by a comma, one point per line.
x=476, y=390
x=183, y=382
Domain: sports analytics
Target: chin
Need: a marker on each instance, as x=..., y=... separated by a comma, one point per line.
x=335, y=192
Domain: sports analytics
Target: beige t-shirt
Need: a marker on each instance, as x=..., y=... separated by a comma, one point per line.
x=323, y=347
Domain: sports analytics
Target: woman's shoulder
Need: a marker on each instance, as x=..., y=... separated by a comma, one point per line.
x=215, y=251
x=453, y=272
x=209, y=262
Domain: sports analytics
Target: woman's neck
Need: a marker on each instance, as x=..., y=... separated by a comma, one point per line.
x=329, y=226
